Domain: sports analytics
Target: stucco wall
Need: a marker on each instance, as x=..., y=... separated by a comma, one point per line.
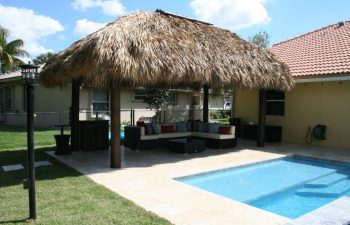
x=51, y=100
x=53, y=104
x=216, y=102
x=183, y=98
x=307, y=105
x=18, y=93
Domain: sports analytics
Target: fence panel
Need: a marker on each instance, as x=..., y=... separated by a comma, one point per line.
x=42, y=120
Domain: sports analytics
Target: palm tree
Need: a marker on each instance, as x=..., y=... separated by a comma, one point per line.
x=10, y=51
x=43, y=58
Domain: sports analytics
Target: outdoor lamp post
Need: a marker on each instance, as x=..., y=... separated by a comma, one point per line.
x=29, y=77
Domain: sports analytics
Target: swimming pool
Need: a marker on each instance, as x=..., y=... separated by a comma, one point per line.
x=122, y=135
x=290, y=186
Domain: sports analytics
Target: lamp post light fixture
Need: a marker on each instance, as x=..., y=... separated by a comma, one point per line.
x=29, y=77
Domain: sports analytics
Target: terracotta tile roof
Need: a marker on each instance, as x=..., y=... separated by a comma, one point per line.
x=323, y=52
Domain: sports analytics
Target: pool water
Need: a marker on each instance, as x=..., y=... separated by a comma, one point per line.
x=290, y=187
x=121, y=135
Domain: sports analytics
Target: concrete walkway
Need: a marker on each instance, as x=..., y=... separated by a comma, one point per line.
x=146, y=178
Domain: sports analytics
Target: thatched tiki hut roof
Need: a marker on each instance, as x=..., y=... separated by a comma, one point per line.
x=160, y=49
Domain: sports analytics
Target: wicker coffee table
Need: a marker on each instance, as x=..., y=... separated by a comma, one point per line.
x=186, y=145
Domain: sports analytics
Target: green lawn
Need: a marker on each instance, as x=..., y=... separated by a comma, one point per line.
x=223, y=121
x=12, y=137
x=64, y=196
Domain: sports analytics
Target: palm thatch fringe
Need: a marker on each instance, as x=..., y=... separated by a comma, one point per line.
x=158, y=49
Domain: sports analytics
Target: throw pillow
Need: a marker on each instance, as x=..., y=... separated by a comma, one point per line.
x=213, y=128
x=167, y=128
x=148, y=127
x=225, y=130
x=140, y=123
x=200, y=127
x=155, y=128
x=143, y=127
x=143, y=133
x=181, y=127
x=189, y=126
x=192, y=125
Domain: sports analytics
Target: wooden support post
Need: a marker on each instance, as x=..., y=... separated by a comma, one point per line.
x=115, y=154
x=262, y=118
x=233, y=103
x=205, y=104
x=74, y=110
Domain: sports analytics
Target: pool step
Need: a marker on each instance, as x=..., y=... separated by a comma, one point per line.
x=335, y=190
x=329, y=180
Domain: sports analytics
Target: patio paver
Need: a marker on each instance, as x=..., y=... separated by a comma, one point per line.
x=9, y=168
x=146, y=178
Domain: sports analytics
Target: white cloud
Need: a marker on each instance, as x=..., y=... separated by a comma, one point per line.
x=231, y=14
x=37, y=48
x=108, y=7
x=113, y=8
x=30, y=27
x=84, y=4
x=84, y=27
x=62, y=37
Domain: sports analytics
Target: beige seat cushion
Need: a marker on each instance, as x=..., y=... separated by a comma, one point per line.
x=174, y=135
x=149, y=137
x=213, y=136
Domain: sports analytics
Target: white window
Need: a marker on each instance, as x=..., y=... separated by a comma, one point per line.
x=275, y=103
x=8, y=98
x=139, y=95
x=100, y=101
x=24, y=98
x=172, y=98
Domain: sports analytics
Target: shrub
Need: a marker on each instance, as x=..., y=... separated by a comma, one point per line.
x=220, y=114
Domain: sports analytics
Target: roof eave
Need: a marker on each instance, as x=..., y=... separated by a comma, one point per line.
x=322, y=78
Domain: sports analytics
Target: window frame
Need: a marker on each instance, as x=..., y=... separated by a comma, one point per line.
x=104, y=102
x=8, y=98
x=24, y=98
x=275, y=99
x=174, y=94
x=135, y=95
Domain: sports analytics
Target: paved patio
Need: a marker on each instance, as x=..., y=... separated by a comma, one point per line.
x=146, y=178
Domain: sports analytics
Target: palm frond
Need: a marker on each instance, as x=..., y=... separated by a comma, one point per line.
x=6, y=59
x=14, y=48
x=4, y=33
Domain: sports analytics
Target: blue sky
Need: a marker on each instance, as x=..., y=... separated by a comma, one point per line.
x=54, y=25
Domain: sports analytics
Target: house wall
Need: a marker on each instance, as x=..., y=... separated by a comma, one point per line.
x=307, y=105
x=179, y=112
x=51, y=105
x=216, y=102
x=18, y=94
x=183, y=98
x=52, y=100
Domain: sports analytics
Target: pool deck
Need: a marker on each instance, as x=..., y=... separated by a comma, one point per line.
x=146, y=178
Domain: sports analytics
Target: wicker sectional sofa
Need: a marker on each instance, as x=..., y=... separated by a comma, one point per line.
x=136, y=139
